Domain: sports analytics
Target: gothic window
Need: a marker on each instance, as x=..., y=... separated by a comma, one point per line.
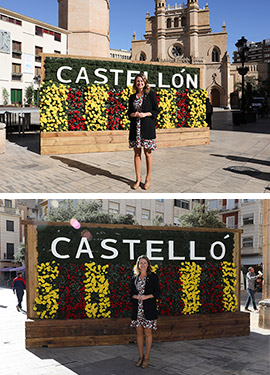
x=176, y=22
x=176, y=51
x=169, y=23
x=215, y=55
x=183, y=21
x=142, y=56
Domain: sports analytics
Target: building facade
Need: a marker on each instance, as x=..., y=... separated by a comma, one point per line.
x=88, y=24
x=258, y=52
x=182, y=34
x=245, y=214
x=21, y=40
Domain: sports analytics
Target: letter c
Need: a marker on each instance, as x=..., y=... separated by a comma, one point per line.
x=53, y=248
x=59, y=72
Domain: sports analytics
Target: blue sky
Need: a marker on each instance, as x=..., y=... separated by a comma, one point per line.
x=243, y=17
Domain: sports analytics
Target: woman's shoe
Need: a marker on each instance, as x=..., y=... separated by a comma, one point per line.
x=140, y=361
x=147, y=185
x=137, y=184
x=145, y=362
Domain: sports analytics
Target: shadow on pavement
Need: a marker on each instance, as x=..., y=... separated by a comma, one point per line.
x=30, y=140
x=222, y=120
x=94, y=171
x=243, y=159
x=249, y=172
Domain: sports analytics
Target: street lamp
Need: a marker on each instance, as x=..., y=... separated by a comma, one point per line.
x=243, y=54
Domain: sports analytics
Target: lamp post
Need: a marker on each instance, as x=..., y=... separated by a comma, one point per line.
x=243, y=54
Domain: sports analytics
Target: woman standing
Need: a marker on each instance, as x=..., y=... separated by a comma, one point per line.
x=142, y=111
x=144, y=292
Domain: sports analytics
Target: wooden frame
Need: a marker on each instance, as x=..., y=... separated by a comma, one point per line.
x=117, y=331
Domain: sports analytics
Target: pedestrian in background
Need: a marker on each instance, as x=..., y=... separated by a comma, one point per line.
x=18, y=286
x=209, y=112
x=144, y=292
x=142, y=111
x=251, y=279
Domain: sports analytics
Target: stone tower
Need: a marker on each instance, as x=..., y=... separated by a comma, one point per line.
x=193, y=29
x=88, y=23
x=161, y=29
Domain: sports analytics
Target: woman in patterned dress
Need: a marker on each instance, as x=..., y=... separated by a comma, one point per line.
x=144, y=292
x=142, y=111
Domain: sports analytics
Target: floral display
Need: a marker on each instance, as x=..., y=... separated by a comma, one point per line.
x=190, y=278
x=46, y=304
x=97, y=291
x=229, y=300
x=54, y=107
x=98, y=108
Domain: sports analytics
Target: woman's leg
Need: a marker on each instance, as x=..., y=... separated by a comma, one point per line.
x=140, y=340
x=148, y=156
x=148, y=341
x=137, y=162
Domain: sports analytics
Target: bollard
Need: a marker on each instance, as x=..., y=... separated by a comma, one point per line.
x=2, y=138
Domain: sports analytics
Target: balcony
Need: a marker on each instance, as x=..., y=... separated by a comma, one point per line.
x=226, y=208
x=16, y=76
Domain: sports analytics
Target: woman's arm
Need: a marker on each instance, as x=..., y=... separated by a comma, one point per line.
x=143, y=297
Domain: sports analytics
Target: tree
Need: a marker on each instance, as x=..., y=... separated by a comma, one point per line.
x=200, y=216
x=5, y=96
x=86, y=212
x=29, y=94
x=19, y=256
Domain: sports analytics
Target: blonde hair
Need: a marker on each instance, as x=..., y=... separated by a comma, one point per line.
x=146, y=88
x=136, y=267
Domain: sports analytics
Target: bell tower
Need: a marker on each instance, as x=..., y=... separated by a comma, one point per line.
x=88, y=23
x=193, y=27
x=161, y=29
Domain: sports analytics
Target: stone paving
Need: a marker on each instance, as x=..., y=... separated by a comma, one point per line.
x=236, y=161
x=246, y=355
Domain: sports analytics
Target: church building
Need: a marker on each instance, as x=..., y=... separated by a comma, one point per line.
x=181, y=34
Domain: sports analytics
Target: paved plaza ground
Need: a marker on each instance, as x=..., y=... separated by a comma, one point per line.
x=248, y=355
x=236, y=161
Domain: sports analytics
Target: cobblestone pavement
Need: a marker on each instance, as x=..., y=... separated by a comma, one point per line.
x=246, y=355
x=236, y=161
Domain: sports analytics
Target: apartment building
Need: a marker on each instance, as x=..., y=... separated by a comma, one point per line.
x=22, y=39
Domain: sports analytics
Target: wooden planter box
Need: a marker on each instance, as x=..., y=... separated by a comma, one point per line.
x=77, y=142
x=86, y=332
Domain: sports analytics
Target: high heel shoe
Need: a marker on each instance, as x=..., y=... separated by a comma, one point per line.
x=137, y=184
x=147, y=185
x=145, y=362
x=140, y=361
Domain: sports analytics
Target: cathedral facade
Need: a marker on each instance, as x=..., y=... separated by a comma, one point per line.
x=182, y=34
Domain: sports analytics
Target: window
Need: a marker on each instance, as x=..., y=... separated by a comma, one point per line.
x=57, y=37
x=146, y=214
x=10, y=19
x=142, y=56
x=10, y=226
x=215, y=55
x=248, y=219
x=16, y=72
x=16, y=96
x=160, y=200
x=131, y=210
x=39, y=31
x=213, y=205
x=247, y=200
x=38, y=50
x=160, y=217
x=169, y=23
x=230, y=222
x=182, y=204
x=8, y=203
x=175, y=221
x=114, y=207
x=183, y=21
x=10, y=250
x=37, y=71
x=248, y=242
x=230, y=205
x=176, y=22
x=16, y=49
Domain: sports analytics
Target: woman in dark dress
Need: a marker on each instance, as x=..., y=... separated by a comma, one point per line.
x=142, y=111
x=144, y=292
